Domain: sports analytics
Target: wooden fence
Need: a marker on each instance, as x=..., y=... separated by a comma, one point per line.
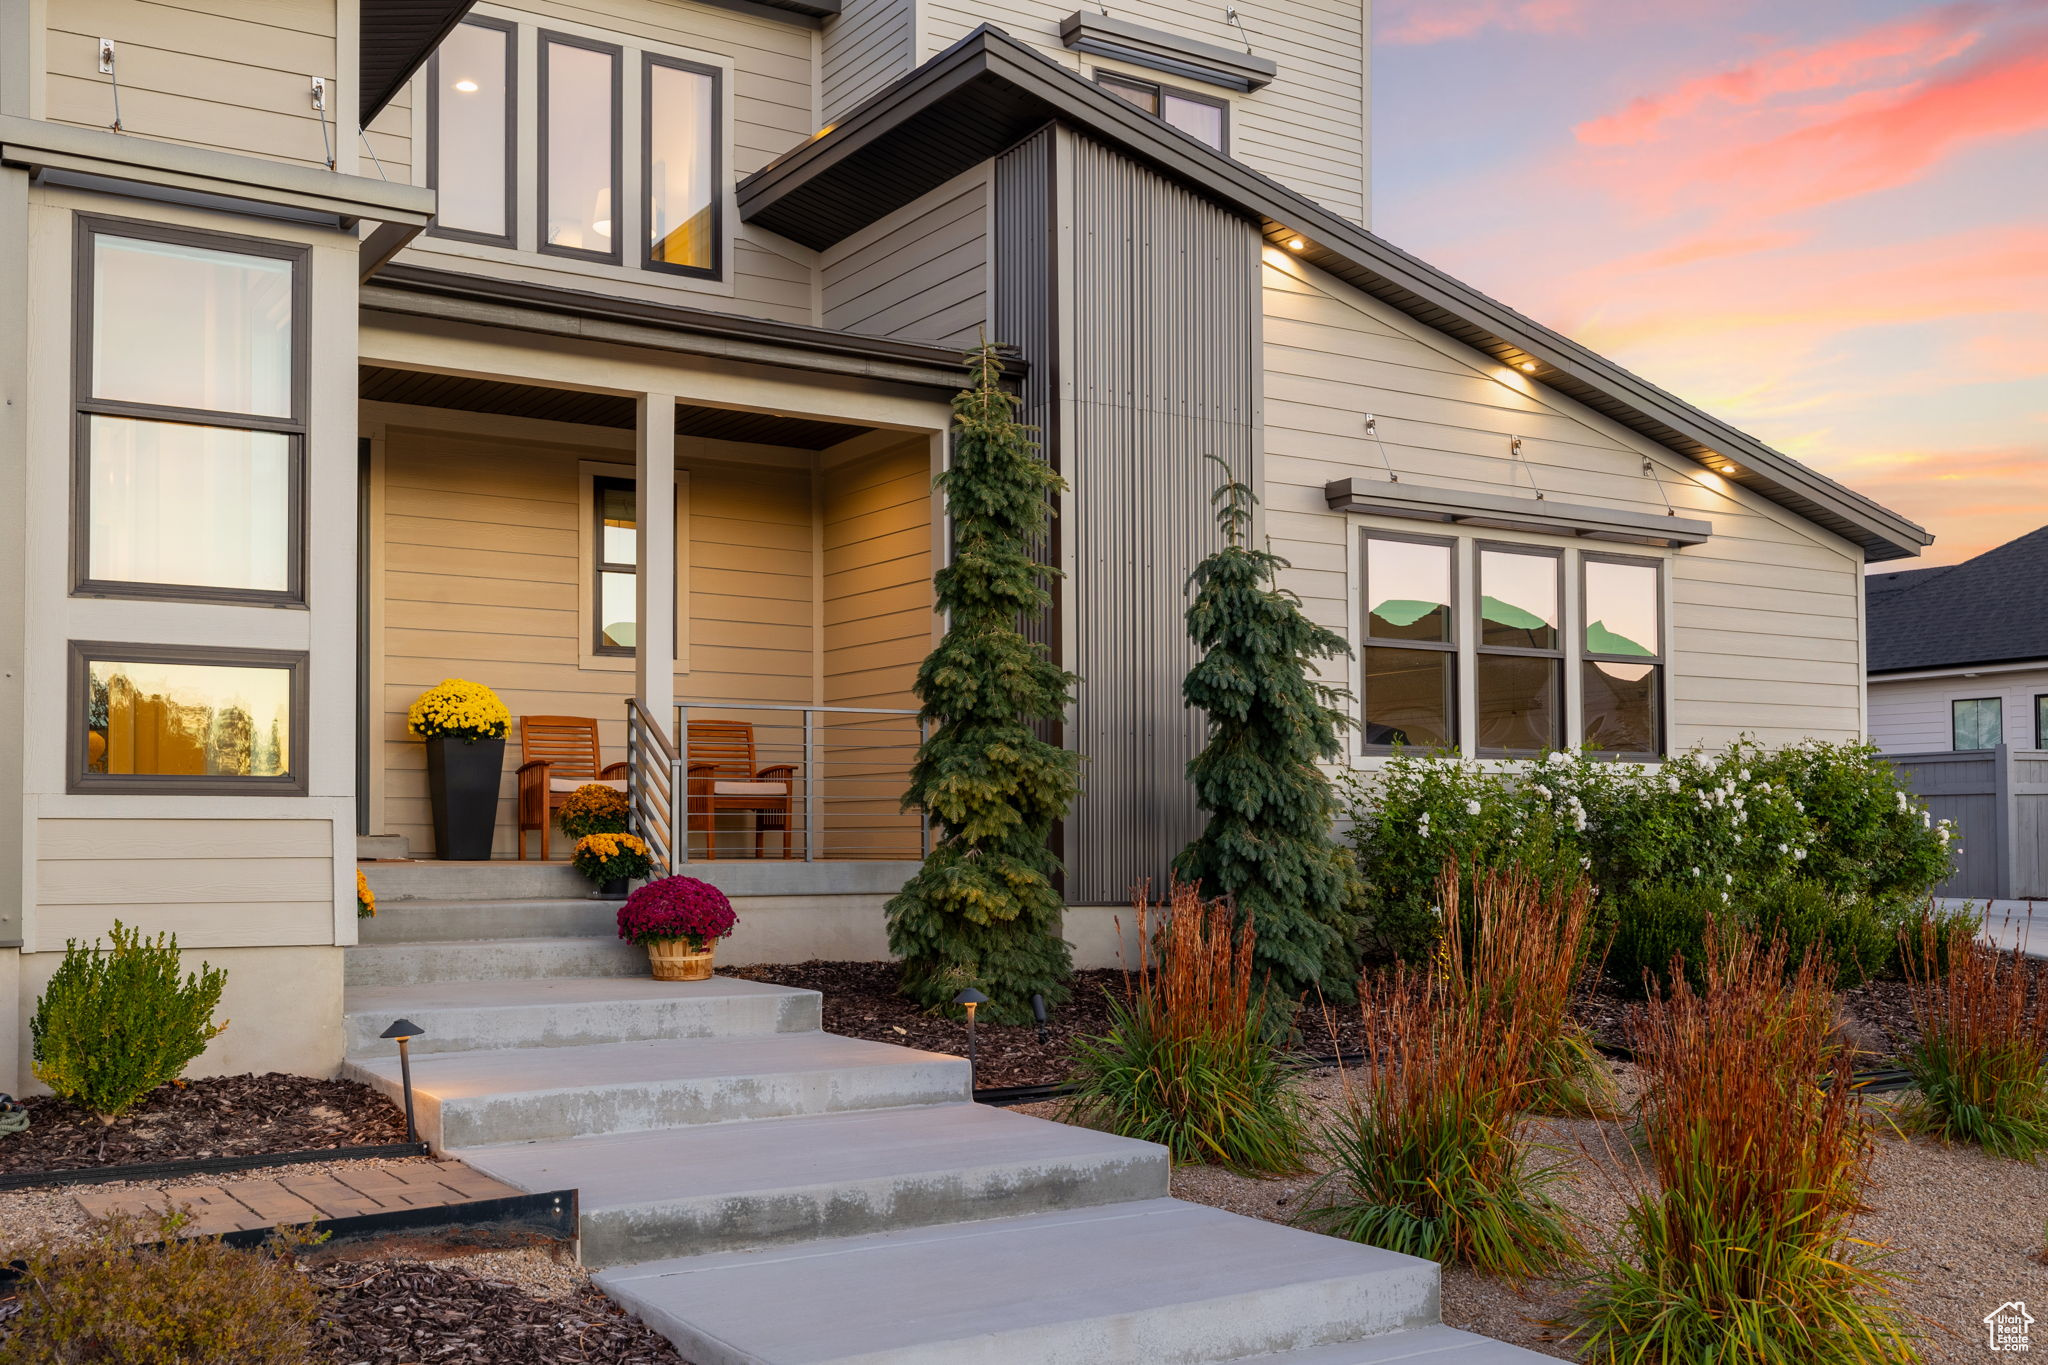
x=1998, y=799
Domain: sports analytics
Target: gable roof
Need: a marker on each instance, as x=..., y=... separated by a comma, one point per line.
x=1989, y=610
x=398, y=36
x=988, y=91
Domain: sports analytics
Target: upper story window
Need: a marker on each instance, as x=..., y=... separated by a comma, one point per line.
x=190, y=400
x=592, y=190
x=1977, y=723
x=1202, y=117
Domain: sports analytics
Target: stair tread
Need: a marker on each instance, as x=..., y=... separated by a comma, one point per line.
x=549, y=992
x=990, y=1285
x=627, y=1170
x=1415, y=1346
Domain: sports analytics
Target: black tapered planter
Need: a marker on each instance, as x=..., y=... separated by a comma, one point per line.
x=462, y=781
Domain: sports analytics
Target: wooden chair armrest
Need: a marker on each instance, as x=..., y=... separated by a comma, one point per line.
x=777, y=772
x=696, y=768
x=536, y=763
x=612, y=770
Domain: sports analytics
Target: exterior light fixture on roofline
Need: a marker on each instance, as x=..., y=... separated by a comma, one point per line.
x=1296, y=244
x=1529, y=366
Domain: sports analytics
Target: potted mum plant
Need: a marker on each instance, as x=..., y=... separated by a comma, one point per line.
x=464, y=725
x=611, y=860
x=679, y=921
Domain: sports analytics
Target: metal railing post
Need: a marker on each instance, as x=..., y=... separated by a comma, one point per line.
x=924, y=818
x=679, y=795
x=810, y=786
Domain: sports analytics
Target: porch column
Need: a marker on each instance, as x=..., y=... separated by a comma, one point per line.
x=655, y=498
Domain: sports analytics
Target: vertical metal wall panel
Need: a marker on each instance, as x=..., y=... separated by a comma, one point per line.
x=1164, y=372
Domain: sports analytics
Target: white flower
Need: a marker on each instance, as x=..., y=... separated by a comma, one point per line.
x=1737, y=803
x=1730, y=876
x=1943, y=832
x=1738, y=838
x=1588, y=862
x=1557, y=756
x=1541, y=791
x=1798, y=853
x=1695, y=872
x=1784, y=848
x=1798, y=805
x=1724, y=898
x=1926, y=820
x=1745, y=774
x=1471, y=808
x=1671, y=781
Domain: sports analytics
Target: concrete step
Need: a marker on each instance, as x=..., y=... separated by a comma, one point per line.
x=1157, y=1282
x=514, y=959
x=502, y=879
x=437, y=921
x=389, y=846
x=468, y=1016
x=740, y=1186
x=473, y=1099
x=1416, y=1346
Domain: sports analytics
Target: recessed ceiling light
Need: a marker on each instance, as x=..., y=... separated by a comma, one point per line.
x=1295, y=244
x=466, y=86
x=1529, y=365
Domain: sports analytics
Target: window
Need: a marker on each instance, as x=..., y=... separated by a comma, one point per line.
x=1621, y=668
x=679, y=167
x=1520, y=665
x=190, y=380
x=160, y=718
x=1199, y=116
x=616, y=571
x=579, y=147
x=471, y=98
x=2041, y=722
x=1411, y=643
x=1977, y=723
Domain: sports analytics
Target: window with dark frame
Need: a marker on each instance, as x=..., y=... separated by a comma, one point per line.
x=1621, y=656
x=1410, y=650
x=2041, y=722
x=1204, y=118
x=680, y=150
x=1518, y=671
x=1976, y=723
x=580, y=133
x=176, y=719
x=472, y=138
x=189, y=378
x=615, y=569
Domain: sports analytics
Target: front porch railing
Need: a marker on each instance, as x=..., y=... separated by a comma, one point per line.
x=652, y=777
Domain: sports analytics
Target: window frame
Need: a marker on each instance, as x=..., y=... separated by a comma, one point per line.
x=1561, y=655
x=79, y=781
x=1161, y=89
x=600, y=566
x=716, y=133
x=1659, y=698
x=510, y=237
x=86, y=228
x=2041, y=720
x=1997, y=700
x=544, y=38
x=1453, y=720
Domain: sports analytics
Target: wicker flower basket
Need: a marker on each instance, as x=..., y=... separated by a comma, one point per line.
x=673, y=959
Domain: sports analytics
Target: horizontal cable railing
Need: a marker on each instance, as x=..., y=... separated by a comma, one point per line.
x=777, y=780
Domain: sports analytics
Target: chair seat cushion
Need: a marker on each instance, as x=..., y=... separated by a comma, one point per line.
x=750, y=789
x=569, y=784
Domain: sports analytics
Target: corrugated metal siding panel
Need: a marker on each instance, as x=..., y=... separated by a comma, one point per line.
x=1023, y=315
x=1166, y=356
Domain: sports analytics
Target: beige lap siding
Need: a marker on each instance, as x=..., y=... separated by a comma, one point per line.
x=1765, y=624
x=482, y=579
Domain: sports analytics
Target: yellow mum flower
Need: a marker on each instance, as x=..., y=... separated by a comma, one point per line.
x=459, y=708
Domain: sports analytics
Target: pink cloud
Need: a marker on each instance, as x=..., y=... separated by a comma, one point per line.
x=1438, y=21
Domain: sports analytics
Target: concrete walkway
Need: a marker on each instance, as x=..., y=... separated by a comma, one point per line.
x=2011, y=924
x=764, y=1193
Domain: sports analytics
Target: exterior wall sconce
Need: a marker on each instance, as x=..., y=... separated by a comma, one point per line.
x=403, y=1031
x=970, y=998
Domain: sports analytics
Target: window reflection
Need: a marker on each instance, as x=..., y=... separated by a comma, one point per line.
x=187, y=720
x=1409, y=590
x=1408, y=697
x=1518, y=602
x=192, y=505
x=191, y=327
x=681, y=216
x=1621, y=608
x=1621, y=707
x=1521, y=709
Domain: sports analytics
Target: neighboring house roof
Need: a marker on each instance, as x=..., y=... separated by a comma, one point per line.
x=988, y=91
x=398, y=36
x=1989, y=610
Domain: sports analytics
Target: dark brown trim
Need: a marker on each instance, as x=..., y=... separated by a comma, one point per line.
x=600, y=484
x=85, y=407
x=77, y=694
x=716, y=270
x=1367, y=640
x=1108, y=80
x=510, y=237
x=545, y=39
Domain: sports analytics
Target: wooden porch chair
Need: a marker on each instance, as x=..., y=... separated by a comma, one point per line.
x=557, y=754
x=723, y=777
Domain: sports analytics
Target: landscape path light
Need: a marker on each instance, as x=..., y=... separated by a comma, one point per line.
x=970, y=998
x=404, y=1031
x=1038, y=1013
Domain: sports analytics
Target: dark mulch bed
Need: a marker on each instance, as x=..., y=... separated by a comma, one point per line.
x=244, y=1115
x=861, y=1002
x=404, y=1312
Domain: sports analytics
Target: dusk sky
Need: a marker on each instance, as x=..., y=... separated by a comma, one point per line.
x=1825, y=221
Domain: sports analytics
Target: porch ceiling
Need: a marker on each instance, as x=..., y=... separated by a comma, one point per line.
x=384, y=384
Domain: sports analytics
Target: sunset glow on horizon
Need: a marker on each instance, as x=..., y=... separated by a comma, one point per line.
x=1825, y=223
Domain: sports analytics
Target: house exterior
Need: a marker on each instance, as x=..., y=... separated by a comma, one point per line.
x=602, y=354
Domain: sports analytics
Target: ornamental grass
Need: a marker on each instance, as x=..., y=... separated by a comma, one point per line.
x=1740, y=1252
x=1981, y=1064
x=1190, y=1060
x=1426, y=1151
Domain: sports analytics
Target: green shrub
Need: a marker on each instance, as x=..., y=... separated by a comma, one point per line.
x=115, y=1024
x=1657, y=925
x=107, y=1301
x=1981, y=1062
x=1848, y=933
x=1190, y=1060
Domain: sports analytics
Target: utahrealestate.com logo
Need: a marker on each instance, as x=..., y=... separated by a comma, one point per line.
x=2006, y=1327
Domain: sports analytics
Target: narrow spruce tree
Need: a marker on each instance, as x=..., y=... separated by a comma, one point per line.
x=983, y=910
x=1267, y=845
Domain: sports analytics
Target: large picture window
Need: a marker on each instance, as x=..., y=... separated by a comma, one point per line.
x=190, y=400
x=579, y=147
x=679, y=166
x=472, y=100
x=1621, y=665
x=1411, y=643
x=1519, y=670
x=161, y=718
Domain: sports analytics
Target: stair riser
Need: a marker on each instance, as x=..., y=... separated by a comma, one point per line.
x=414, y=964
x=641, y=1106
x=850, y=1209
x=506, y=879
x=454, y=921
x=585, y=1023
x=1205, y=1332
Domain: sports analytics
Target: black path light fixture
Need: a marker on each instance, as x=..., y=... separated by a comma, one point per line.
x=970, y=998
x=403, y=1031
x=1038, y=1013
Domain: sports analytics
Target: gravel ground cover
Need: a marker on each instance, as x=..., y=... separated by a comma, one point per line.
x=1964, y=1229
x=245, y=1115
